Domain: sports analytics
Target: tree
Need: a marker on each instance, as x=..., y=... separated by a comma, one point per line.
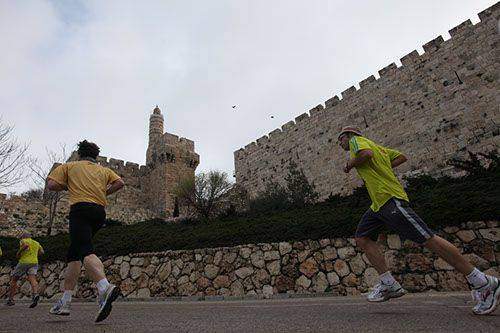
x=13, y=157
x=274, y=197
x=205, y=193
x=300, y=192
x=297, y=192
x=40, y=171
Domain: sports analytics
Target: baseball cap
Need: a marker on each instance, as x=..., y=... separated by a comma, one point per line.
x=349, y=129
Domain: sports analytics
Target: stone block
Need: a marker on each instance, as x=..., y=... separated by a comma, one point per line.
x=493, y=234
x=393, y=242
x=466, y=235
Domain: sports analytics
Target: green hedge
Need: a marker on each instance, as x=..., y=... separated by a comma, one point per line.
x=440, y=202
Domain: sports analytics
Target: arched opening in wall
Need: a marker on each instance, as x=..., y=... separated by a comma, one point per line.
x=176, y=208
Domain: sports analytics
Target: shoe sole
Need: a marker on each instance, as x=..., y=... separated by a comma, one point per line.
x=35, y=302
x=59, y=313
x=397, y=294
x=106, y=309
x=496, y=300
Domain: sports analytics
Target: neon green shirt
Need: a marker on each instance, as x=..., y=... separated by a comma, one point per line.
x=377, y=173
x=30, y=255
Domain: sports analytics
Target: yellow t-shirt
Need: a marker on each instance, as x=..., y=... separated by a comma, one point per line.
x=86, y=181
x=30, y=255
x=377, y=173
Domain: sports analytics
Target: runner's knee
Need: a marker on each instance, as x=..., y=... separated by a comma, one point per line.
x=362, y=241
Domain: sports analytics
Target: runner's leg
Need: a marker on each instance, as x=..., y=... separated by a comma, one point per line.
x=13, y=287
x=34, y=284
x=449, y=253
x=373, y=252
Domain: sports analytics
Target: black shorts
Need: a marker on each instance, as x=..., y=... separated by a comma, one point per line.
x=85, y=219
x=399, y=217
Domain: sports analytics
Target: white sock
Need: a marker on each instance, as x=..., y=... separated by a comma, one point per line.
x=66, y=297
x=477, y=278
x=102, y=285
x=387, y=278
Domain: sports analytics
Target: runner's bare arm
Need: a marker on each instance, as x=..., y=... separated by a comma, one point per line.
x=23, y=248
x=363, y=156
x=41, y=252
x=398, y=161
x=115, y=186
x=52, y=185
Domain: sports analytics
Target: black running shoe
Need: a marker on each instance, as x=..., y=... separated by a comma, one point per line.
x=34, y=303
x=105, y=302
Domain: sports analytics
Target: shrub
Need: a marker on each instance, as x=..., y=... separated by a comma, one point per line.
x=440, y=202
x=298, y=192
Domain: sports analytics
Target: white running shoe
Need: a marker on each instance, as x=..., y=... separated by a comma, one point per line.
x=105, y=302
x=487, y=297
x=382, y=292
x=60, y=309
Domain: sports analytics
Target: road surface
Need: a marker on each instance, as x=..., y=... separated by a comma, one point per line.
x=437, y=312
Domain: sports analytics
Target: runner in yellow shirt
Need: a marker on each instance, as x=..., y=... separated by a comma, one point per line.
x=390, y=207
x=88, y=184
x=28, y=253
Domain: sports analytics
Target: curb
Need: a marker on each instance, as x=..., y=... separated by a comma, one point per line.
x=220, y=298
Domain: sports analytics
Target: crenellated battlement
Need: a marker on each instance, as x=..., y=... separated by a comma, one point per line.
x=174, y=140
x=401, y=106
x=119, y=165
x=408, y=62
x=149, y=190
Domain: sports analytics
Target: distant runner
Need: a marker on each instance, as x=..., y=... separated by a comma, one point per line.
x=390, y=207
x=88, y=184
x=28, y=253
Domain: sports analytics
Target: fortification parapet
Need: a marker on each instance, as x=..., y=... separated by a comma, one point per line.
x=102, y=160
x=433, y=45
x=492, y=12
x=174, y=140
x=170, y=138
x=387, y=70
x=463, y=27
x=300, y=118
x=115, y=163
x=403, y=106
x=332, y=101
x=188, y=144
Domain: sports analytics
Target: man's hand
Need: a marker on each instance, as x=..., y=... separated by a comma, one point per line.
x=363, y=156
x=398, y=161
x=115, y=186
x=347, y=167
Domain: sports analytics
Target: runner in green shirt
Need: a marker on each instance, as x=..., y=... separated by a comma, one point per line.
x=390, y=207
x=29, y=250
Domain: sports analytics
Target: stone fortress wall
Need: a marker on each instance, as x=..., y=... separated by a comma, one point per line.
x=148, y=191
x=435, y=106
x=333, y=266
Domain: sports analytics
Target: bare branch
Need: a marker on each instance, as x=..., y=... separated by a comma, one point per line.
x=13, y=157
x=204, y=194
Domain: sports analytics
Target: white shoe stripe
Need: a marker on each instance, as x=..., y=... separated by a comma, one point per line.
x=412, y=220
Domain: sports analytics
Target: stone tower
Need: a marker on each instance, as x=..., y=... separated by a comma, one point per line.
x=169, y=159
x=155, y=131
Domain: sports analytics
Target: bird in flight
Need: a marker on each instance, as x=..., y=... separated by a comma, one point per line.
x=234, y=106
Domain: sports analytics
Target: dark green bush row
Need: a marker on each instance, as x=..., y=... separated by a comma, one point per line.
x=440, y=202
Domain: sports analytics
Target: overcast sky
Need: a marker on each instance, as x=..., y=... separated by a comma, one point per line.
x=95, y=69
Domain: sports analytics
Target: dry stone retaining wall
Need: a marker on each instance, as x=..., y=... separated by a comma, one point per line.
x=312, y=266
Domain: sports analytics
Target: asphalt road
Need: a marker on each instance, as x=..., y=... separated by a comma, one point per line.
x=412, y=313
